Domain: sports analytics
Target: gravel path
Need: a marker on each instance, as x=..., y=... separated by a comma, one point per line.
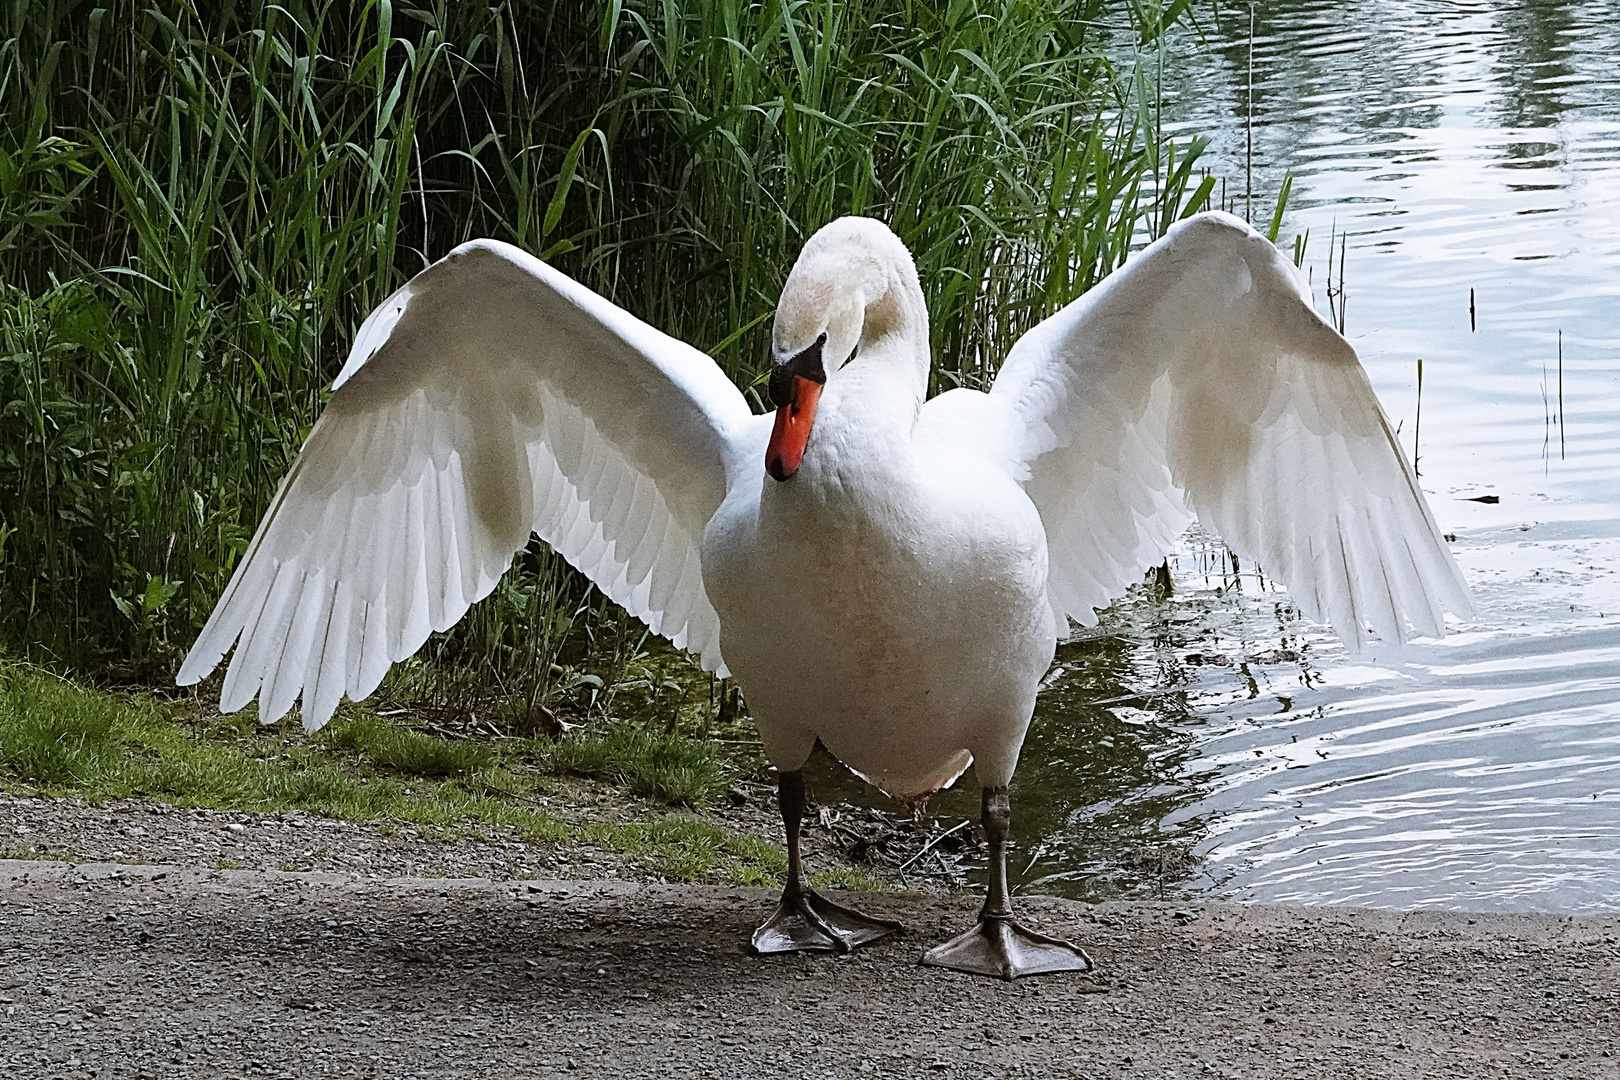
x=135, y=831
x=139, y=831
x=145, y=971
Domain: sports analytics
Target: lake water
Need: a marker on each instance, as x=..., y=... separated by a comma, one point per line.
x=1213, y=745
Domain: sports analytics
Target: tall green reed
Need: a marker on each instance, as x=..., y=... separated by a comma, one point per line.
x=198, y=204
x=219, y=200
x=996, y=138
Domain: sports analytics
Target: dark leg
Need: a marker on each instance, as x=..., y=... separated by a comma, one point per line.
x=1000, y=945
x=805, y=919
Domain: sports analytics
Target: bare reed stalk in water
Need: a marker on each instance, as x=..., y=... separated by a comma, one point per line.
x=1417, y=420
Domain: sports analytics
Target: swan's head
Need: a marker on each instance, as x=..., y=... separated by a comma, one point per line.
x=841, y=292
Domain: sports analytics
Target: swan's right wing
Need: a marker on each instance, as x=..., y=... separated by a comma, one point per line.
x=1198, y=379
x=490, y=397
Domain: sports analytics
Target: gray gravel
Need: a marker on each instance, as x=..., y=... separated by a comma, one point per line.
x=123, y=971
x=129, y=831
x=135, y=831
x=139, y=831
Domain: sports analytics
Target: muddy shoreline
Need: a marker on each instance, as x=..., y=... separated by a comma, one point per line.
x=111, y=970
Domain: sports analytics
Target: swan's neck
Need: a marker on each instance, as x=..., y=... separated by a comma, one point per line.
x=868, y=413
x=893, y=358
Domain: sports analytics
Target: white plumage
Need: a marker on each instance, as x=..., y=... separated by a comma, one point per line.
x=899, y=597
x=1199, y=379
x=490, y=397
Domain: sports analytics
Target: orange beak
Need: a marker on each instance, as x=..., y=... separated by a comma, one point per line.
x=794, y=387
x=791, y=434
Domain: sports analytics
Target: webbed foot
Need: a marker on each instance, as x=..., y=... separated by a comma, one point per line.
x=1003, y=948
x=809, y=921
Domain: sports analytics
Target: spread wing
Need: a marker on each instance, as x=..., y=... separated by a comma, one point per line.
x=490, y=397
x=1198, y=379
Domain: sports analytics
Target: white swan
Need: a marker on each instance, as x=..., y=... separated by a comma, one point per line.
x=885, y=574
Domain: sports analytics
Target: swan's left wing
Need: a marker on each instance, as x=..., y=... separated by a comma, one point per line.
x=1199, y=379
x=490, y=397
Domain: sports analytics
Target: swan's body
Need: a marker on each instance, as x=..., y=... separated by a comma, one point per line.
x=911, y=572
x=896, y=585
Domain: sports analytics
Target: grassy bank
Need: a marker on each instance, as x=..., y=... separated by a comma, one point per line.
x=59, y=737
x=199, y=203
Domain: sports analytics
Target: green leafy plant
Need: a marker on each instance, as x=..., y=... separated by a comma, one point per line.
x=199, y=203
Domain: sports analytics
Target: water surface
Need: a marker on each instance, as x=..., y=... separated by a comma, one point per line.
x=1213, y=744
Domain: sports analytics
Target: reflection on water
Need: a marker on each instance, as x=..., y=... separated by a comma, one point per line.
x=1470, y=152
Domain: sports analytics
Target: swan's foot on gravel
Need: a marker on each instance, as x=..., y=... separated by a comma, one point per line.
x=1003, y=948
x=807, y=921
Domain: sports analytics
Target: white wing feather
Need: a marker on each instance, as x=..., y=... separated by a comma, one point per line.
x=490, y=397
x=1198, y=379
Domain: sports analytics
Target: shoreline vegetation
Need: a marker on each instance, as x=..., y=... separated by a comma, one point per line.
x=60, y=739
x=198, y=206
x=76, y=762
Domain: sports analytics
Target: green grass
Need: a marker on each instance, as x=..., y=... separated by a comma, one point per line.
x=402, y=750
x=847, y=877
x=660, y=766
x=686, y=850
x=59, y=737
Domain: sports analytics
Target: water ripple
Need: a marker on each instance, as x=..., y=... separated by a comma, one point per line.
x=1466, y=154
x=1470, y=152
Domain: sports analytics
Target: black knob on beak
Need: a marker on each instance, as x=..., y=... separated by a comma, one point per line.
x=804, y=365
